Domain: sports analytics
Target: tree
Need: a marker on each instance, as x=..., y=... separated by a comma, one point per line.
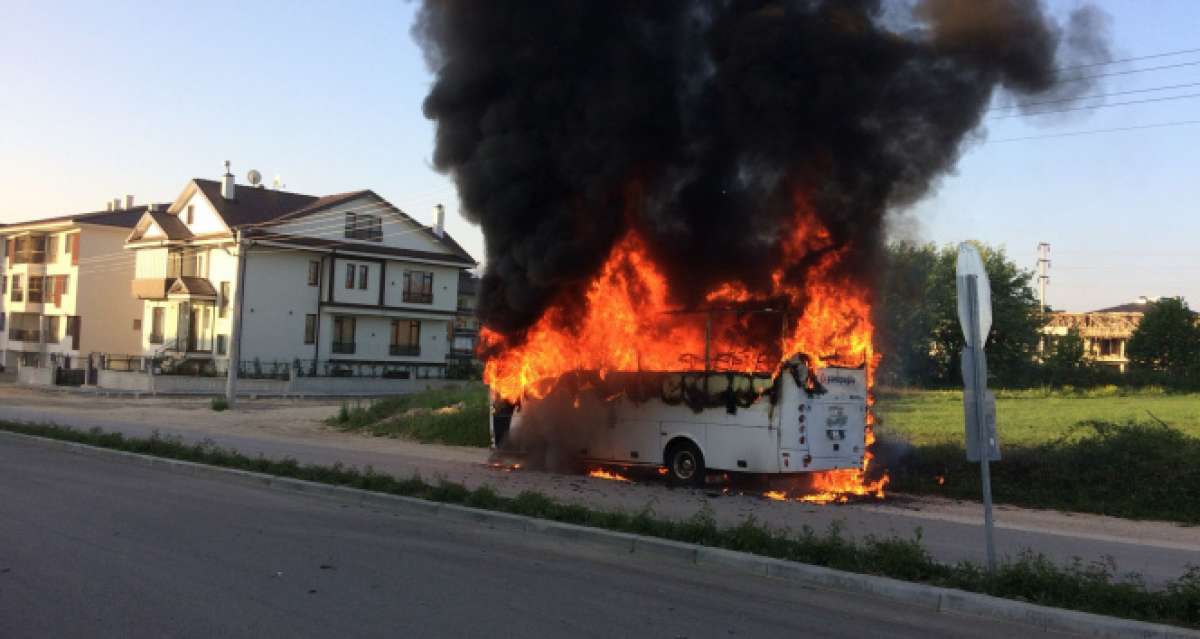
x=917, y=317
x=1066, y=352
x=1167, y=339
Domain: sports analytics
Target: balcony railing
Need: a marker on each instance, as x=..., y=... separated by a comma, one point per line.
x=407, y=350
x=24, y=334
x=35, y=297
x=416, y=297
x=16, y=296
x=343, y=348
x=156, y=338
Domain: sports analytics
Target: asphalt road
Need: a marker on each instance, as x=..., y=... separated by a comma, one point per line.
x=951, y=532
x=97, y=547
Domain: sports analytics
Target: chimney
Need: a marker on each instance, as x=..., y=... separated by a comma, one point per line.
x=108, y=205
x=439, y=220
x=116, y=203
x=227, y=190
x=128, y=201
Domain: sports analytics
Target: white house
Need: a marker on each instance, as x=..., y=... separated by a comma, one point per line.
x=331, y=283
x=63, y=288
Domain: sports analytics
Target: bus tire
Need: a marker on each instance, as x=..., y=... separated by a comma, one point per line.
x=685, y=464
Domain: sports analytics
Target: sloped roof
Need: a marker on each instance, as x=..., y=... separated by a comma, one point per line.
x=252, y=205
x=193, y=286
x=124, y=218
x=1132, y=307
x=171, y=225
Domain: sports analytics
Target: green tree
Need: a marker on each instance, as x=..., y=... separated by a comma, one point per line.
x=917, y=317
x=1167, y=339
x=903, y=323
x=1066, y=352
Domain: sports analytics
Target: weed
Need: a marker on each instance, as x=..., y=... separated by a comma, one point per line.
x=218, y=404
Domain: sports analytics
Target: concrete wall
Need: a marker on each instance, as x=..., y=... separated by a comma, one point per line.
x=312, y=386
x=104, y=301
x=277, y=299
x=35, y=376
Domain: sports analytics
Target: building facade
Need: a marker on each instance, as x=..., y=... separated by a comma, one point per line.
x=329, y=285
x=63, y=288
x=1105, y=332
x=466, y=320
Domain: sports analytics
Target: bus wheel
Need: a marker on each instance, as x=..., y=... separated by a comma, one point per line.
x=685, y=464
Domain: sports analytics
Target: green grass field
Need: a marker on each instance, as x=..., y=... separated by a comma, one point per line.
x=456, y=415
x=1030, y=417
x=1108, y=451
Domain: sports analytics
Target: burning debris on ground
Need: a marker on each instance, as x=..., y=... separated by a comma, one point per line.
x=630, y=161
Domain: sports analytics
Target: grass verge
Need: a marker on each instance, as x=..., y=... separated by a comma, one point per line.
x=1136, y=470
x=1029, y=577
x=456, y=415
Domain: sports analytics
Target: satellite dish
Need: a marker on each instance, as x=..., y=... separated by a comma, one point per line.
x=254, y=176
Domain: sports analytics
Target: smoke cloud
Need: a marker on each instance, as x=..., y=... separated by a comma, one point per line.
x=704, y=125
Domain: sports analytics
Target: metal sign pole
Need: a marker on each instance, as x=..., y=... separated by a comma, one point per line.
x=979, y=388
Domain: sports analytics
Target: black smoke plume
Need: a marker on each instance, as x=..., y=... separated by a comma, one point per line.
x=567, y=123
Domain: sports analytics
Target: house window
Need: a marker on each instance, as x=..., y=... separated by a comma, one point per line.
x=137, y=324
x=310, y=329
x=52, y=249
x=360, y=226
x=418, y=287
x=18, y=294
x=52, y=329
x=343, y=334
x=64, y=285
x=349, y=276
x=314, y=273
x=35, y=289
x=67, y=241
x=1, y=321
x=406, y=337
x=191, y=214
x=3, y=285
x=223, y=310
x=156, y=325
x=362, y=276
x=37, y=244
x=73, y=247
x=220, y=345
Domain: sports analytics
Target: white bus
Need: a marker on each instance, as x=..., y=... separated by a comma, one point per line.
x=799, y=421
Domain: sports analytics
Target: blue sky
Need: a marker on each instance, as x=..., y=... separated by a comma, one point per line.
x=105, y=99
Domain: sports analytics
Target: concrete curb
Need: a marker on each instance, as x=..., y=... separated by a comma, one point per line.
x=934, y=598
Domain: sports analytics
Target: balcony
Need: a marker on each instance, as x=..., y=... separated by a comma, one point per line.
x=156, y=338
x=417, y=297
x=405, y=350
x=343, y=348
x=24, y=335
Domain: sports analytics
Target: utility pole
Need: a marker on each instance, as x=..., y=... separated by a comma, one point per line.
x=1043, y=272
x=235, y=335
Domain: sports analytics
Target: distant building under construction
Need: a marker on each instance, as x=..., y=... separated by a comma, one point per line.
x=1105, y=332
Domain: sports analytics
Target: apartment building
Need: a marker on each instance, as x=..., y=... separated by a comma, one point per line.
x=63, y=288
x=329, y=282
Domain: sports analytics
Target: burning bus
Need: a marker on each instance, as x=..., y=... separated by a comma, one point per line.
x=626, y=163
x=720, y=412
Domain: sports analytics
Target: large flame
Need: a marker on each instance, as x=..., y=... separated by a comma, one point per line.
x=629, y=324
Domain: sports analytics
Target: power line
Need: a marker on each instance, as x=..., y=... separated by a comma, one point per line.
x=1099, y=106
x=1168, y=87
x=1134, y=59
x=1131, y=71
x=1160, y=125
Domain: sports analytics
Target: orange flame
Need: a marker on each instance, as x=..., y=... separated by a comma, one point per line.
x=600, y=473
x=629, y=324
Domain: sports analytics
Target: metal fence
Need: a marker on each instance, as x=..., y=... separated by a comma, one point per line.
x=385, y=370
x=281, y=370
